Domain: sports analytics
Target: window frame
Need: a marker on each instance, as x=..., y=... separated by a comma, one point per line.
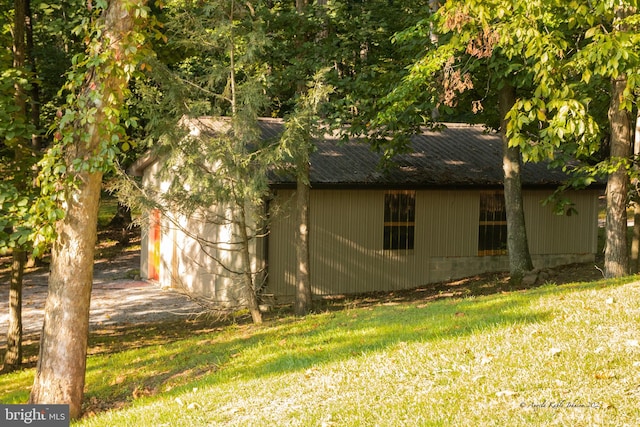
x=495, y=225
x=399, y=224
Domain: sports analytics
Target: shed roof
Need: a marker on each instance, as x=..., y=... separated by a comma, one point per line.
x=459, y=155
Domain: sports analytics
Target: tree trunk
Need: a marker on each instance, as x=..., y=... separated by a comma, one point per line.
x=303, y=265
x=616, y=258
x=635, y=244
x=122, y=220
x=61, y=366
x=63, y=343
x=303, y=282
x=34, y=110
x=13, y=356
x=517, y=243
x=247, y=271
x=301, y=4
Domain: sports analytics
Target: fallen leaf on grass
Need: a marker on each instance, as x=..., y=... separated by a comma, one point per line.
x=604, y=375
x=139, y=392
x=118, y=380
x=486, y=359
x=553, y=351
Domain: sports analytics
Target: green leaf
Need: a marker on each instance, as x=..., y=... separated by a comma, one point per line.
x=591, y=32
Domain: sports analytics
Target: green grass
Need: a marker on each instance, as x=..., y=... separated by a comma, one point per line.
x=557, y=355
x=108, y=208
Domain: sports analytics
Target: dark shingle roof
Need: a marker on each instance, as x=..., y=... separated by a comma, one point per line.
x=460, y=155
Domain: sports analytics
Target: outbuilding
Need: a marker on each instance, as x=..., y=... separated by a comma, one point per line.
x=436, y=214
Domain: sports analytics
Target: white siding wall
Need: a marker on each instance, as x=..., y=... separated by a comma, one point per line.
x=187, y=261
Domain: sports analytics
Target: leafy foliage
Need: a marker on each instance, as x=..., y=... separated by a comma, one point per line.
x=566, y=113
x=559, y=55
x=32, y=216
x=77, y=123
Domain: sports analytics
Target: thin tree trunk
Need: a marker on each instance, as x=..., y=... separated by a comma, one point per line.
x=616, y=258
x=301, y=4
x=635, y=244
x=517, y=243
x=434, y=5
x=303, y=189
x=247, y=271
x=303, y=273
x=34, y=110
x=239, y=199
x=122, y=220
x=13, y=356
x=60, y=373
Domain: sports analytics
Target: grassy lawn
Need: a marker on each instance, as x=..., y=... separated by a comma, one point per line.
x=556, y=355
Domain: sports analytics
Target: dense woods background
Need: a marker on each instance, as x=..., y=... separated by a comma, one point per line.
x=86, y=87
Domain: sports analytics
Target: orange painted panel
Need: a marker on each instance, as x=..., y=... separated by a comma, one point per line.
x=154, y=245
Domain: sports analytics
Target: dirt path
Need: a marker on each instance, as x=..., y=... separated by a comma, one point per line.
x=118, y=298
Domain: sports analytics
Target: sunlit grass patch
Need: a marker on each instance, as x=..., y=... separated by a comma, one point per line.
x=108, y=209
x=556, y=355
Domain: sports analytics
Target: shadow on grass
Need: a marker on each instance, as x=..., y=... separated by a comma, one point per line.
x=133, y=361
x=165, y=358
x=172, y=358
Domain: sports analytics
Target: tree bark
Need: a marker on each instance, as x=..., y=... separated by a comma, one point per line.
x=303, y=188
x=13, y=355
x=247, y=271
x=301, y=4
x=34, y=104
x=517, y=242
x=122, y=220
x=60, y=373
x=303, y=270
x=616, y=258
x=635, y=244
x=63, y=342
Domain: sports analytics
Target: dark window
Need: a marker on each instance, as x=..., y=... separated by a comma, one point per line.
x=492, y=231
x=399, y=219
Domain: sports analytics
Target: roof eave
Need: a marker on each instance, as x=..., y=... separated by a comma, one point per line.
x=138, y=167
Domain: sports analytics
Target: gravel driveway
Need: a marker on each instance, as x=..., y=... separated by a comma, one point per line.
x=115, y=299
